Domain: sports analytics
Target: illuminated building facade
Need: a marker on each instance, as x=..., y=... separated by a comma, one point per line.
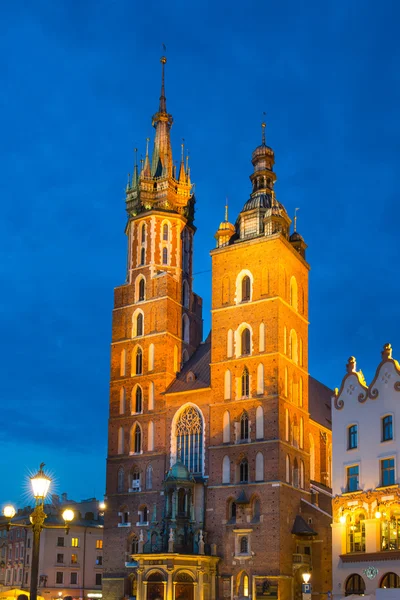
x=365, y=481
x=218, y=467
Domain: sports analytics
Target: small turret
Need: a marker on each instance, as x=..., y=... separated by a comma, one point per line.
x=225, y=231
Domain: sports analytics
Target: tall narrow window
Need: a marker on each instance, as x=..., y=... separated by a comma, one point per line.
x=227, y=385
x=287, y=468
x=149, y=478
x=245, y=383
x=185, y=328
x=246, y=586
x=142, y=256
x=287, y=425
x=293, y=293
x=260, y=379
x=137, y=440
x=352, y=437
x=120, y=484
x=259, y=423
x=226, y=428
x=259, y=466
x=355, y=532
x=244, y=471
x=352, y=474
x=302, y=475
x=142, y=288
x=261, y=337
x=122, y=397
x=139, y=325
x=244, y=545
x=229, y=349
x=143, y=233
x=390, y=530
x=139, y=361
x=151, y=357
x=226, y=470
x=165, y=232
x=388, y=476
x=122, y=368
x=387, y=428
x=138, y=399
x=165, y=256
x=189, y=438
x=185, y=294
x=244, y=427
x=151, y=396
x=150, y=436
x=301, y=433
x=246, y=341
x=246, y=288
x=121, y=440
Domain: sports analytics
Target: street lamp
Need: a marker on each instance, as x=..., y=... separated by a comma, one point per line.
x=306, y=587
x=40, y=487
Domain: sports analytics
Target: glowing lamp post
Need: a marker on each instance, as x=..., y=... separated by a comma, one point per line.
x=40, y=488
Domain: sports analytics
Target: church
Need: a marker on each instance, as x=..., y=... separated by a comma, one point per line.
x=219, y=451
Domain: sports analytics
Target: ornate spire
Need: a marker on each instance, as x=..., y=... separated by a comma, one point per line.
x=182, y=173
x=135, y=177
x=161, y=165
x=147, y=170
x=263, y=126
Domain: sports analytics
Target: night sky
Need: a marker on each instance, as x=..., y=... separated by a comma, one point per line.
x=80, y=80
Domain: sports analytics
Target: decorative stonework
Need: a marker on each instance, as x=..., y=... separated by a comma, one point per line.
x=371, y=572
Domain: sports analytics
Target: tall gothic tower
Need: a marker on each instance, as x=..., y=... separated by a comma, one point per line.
x=218, y=451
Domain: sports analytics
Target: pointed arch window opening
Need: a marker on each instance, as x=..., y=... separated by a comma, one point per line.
x=139, y=325
x=245, y=383
x=189, y=438
x=137, y=440
x=244, y=471
x=246, y=341
x=142, y=285
x=138, y=400
x=139, y=362
x=165, y=256
x=244, y=545
x=246, y=288
x=244, y=427
x=142, y=256
x=143, y=233
x=165, y=232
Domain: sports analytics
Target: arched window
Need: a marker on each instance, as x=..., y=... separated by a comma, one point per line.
x=293, y=293
x=138, y=406
x=226, y=428
x=302, y=475
x=135, y=480
x=134, y=545
x=136, y=439
x=390, y=580
x=150, y=436
x=149, y=478
x=287, y=468
x=231, y=511
x=244, y=427
x=185, y=328
x=226, y=470
x=228, y=385
x=246, y=288
x=151, y=357
x=185, y=294
x=165, y=256
x=139, y=324
x=301, y=392
x=355, y=585
x=293, y=353
x=390, y=530
x=260, y=379
x=259, y=466
x=165, y=232
x=142, y=256
x=151, y=396
x=139, y=362
x=301, y=433
x=229, y=350
x=121, y=440
x=245, y=586
x=295, y=473
x=143, y=233
x=355, y=532
x=287, y=425
x=259, y=423
x=245, y=383
x=122, y=396
x=286, y=376
x=143, y=514
x=142, y=289
x=312, y=457
x=256, y=512
x=244, y=545
x=246, y=341
x=261, y=338
x=189, y=438
x=120, y=483
x=244, y=471
x=284, y=340
x=122, y=368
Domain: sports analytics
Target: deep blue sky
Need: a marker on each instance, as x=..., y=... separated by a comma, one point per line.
x=79, y=83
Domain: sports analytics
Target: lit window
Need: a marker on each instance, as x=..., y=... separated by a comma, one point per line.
x=387, y=428
x=355, y=585
x=245, y=585
x=75, y=542
x=390, y=580
x=352, y=474
x=390, y=530
x=355, y=532
x=99, y=544
x=74, y=559
x=352, y=441
x=387, y=471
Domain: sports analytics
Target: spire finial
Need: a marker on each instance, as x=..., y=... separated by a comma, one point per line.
x=135, y=169
x=147, y=146
x=163, y=100
x=226, y=210
x=182, y=173
x=295, y=220
x=183, y=149
x=263, y=126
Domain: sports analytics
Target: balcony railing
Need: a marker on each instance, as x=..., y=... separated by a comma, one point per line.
x=304, y=559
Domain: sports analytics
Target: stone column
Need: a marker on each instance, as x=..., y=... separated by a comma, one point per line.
x=141, y=595
x=213, y=583
x=200, y=573
x=170, y=591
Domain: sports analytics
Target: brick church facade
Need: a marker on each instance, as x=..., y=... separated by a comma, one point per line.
x=219, y=451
